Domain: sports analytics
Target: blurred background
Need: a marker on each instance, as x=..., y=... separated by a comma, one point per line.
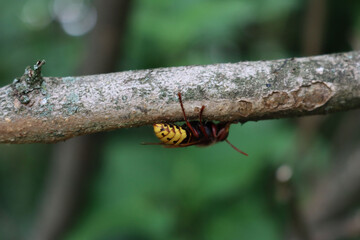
x=300, y=181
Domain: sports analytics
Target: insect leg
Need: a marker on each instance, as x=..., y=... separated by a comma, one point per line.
x=214, y=130
x=223, y=132
x=187, y=122
x=202, y=128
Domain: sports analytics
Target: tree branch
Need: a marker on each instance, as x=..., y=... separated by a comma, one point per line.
x=62, y=108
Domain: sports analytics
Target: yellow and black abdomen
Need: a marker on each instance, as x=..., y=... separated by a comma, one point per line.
x=171, y=134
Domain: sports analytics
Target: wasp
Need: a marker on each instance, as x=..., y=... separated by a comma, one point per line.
x=200, y=133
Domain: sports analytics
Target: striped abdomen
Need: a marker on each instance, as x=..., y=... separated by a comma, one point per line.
x=171, y=134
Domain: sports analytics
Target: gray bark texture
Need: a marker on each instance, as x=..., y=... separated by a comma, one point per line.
x=58, y=108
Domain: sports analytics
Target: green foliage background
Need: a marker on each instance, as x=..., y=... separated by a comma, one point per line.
x=148, y=192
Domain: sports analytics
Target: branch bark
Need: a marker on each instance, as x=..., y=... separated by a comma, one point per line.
x=71, y=106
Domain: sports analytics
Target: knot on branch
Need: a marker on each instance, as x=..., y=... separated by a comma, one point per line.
x=306, y=98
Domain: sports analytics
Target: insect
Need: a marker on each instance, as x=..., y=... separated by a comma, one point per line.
x=201, y=133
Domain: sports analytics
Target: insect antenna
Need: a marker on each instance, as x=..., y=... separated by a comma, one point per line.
x=236, y=148
x=152, y=143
